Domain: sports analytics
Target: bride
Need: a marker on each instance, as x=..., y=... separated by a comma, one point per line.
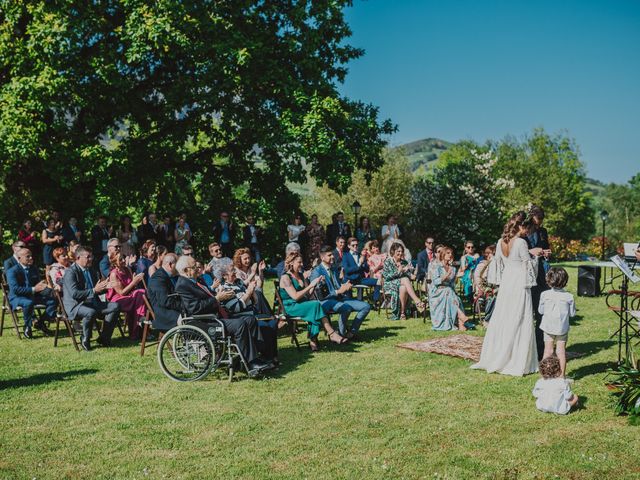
x=510, y=343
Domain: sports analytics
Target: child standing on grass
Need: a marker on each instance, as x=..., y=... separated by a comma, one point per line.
x=556, y=307
x=552, y=391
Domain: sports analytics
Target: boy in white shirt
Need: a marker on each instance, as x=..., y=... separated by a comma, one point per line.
x=552, y=392
x=556, y=307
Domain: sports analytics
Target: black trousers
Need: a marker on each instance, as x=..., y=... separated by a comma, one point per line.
x=536, y=292
x=246, y=334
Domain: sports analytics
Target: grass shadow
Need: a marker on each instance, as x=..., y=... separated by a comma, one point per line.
x=593, y=369
x=44, y=378
x=575, y=321
x=581, y=405
x=590, y=348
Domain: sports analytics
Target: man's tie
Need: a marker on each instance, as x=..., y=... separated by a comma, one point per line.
x=87, y=279
x=27, y=281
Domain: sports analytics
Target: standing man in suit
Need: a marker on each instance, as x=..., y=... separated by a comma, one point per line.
x=334, y=298
x=424, y=258
x=355, y=266
x=26, y=290
x=338, y=252
x=339, y=228
x=166, y=308
x=252, y=238
x=12, y=261
x=100, y=235
x=81, y=300
x=224, y=232
x=539, y=238
x=71, y=231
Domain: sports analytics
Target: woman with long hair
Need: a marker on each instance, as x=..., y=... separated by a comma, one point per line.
x=446, y=307
x=161, y=251
x=396, y=273
x=364, y=233
x=509, y=345
x=125, y=291
x=127, y=236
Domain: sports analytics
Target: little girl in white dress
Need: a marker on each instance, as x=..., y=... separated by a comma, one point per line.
x=552, y=392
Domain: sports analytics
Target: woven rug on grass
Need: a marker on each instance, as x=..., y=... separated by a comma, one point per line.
x=461, y=346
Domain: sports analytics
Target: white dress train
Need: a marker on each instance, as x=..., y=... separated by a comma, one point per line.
x=509, y=345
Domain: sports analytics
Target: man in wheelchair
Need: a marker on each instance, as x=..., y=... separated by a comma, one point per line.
x=197, y=299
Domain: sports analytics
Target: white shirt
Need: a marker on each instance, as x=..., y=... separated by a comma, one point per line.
x=556, y=307
x=553, y=395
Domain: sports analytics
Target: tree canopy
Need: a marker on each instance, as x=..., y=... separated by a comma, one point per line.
x=185, y=105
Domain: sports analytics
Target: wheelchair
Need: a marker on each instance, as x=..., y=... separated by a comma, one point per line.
x=198, y=346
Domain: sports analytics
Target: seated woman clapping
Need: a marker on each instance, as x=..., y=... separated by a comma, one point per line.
x=396, y=272
x=57, y=269
x=296, y=302
x=125, y=292
x=446, y=306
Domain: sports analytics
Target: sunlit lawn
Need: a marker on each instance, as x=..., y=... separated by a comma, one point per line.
x=367, y=410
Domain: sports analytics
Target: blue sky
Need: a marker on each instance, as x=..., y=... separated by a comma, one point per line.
x=484, y=69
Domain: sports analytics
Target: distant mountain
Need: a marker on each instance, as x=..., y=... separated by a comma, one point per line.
x=423, y=154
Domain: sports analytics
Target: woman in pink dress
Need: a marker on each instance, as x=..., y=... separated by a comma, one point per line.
x=375, y=259
x=125, y=293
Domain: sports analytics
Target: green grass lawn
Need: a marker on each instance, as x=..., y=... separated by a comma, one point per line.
x=366, y=410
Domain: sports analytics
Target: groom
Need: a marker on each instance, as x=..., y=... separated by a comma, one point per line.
x=538, y=238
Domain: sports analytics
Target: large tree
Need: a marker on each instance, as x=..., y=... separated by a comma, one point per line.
x=196, y=105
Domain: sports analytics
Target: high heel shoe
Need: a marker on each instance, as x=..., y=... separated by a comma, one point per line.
x=340, y=340
x=420, y=306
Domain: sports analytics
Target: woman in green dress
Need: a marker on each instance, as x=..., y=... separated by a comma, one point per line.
x=296, y=302
x=396, y=272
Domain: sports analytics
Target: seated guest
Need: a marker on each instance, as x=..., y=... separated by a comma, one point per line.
x=161, y=251
x=292, y=247
x=56, y=272
x=218, y=260
x=247, y=272
x=397, y=282
x=482, y=270
x=355, y=267
x=12, y=261
x=147, y=258
x=334, y=296
x=27, y=290
x=81, y=299
x=446, y=306
x=73, y=246
x=468, y=263
x=375, y=259
x=295, y=298
x=166, y=308
x=113, y=247
x=247, y=302
x=51, y=239
x=424, y=257
x=197, y=299
x=71, y=231
x=125, y=290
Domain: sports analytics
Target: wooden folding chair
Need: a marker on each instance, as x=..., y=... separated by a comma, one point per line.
x=150, y=316
x=6, y=307
x=292, y=322
x=62, y=317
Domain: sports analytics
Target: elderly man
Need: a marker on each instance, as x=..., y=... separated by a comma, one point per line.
x=335, y=295
x=113, y=247
x=12, y=261
x=81, y=300
x=197, y=299
x=26, y=290
x=166, y=308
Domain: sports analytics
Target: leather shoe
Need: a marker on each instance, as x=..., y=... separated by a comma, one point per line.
x=104, y=342
x=42, y=326
x=254, y=372
x=28, y=333
x=86, y=344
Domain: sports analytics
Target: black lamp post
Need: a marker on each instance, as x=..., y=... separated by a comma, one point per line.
x=603, y=215
x=355, y=208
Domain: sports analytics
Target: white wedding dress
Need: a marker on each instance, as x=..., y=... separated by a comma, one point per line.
x=509, y=345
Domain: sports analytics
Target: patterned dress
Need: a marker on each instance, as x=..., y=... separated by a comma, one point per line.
x=470, y=263
x=443, y=301
x=316, y=235
x=392, y=276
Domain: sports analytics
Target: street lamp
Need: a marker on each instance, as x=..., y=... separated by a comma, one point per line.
x=603, y=215
x=355, y=208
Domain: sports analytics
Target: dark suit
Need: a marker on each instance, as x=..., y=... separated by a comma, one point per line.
x=166, y=308
x=355, y=273
x=218, y=229
x=198, y=300
x=337, y=260
x=80, y=301
x=21, y=282
x=539, y=239
x=68, y=234
x=98, y=237
x=422, y=264
x=336, y=230
x=147, y=232
x=253, y=246
x=9, y=263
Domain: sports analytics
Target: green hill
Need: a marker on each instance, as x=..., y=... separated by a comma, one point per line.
x=423, y=154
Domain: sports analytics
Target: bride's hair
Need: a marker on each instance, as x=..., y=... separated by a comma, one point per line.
x=512, y=228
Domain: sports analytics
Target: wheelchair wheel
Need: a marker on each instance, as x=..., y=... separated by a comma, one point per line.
x=186, y=354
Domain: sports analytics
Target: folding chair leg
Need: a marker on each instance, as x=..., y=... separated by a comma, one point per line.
x=143, y=343
x=14, y=317
x=72, y=333
x=294, y=335
x=2, y=319
x=55, y=338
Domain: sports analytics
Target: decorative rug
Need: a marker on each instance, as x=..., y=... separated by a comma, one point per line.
x=461, y=346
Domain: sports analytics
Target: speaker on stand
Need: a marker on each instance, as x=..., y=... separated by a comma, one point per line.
x=588, y=281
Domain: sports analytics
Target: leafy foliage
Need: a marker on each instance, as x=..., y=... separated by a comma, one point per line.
x=176, y=105
x=622, y=202
x=625, y=385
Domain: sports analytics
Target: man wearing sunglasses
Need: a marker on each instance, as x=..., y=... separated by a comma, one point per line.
x=424, y=258
x=12, y=261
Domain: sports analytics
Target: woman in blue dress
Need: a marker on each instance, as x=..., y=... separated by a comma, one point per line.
x=468, y=264
x=446, y=307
